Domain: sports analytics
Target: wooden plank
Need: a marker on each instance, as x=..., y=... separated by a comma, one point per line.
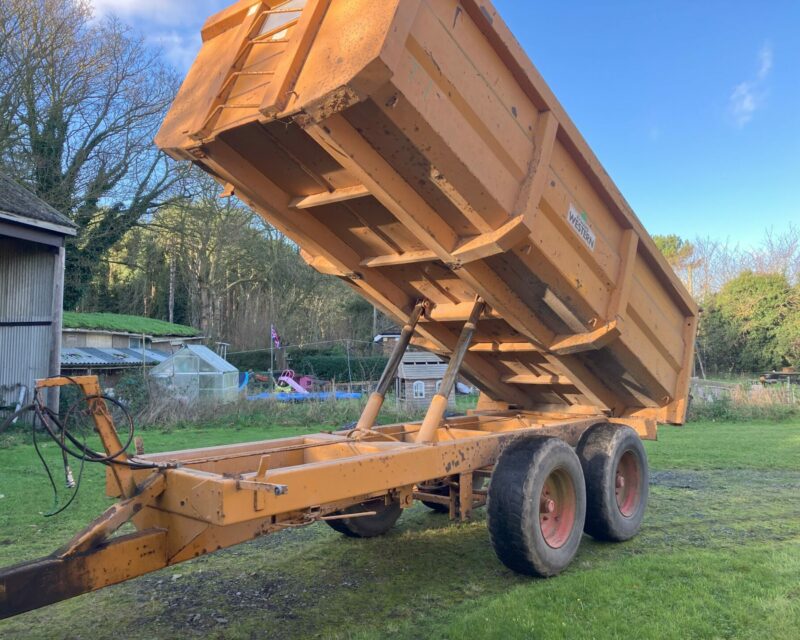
x=329, y=197
x=621, y=294
x=458, y=312
x=505, y=347
x=536, y=380
x=491, y=243
x=590, y=341
x=323, y=265
x=277, y=94
x=477, y=248
x=676, y=411
x=533, y=186
x=407, y=257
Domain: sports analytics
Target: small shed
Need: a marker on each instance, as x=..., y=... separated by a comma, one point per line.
x=419, y=378
x=196, y=374
x=32, y=236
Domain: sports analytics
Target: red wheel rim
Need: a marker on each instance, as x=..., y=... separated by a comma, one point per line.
x=557, y=507
x=627, y=484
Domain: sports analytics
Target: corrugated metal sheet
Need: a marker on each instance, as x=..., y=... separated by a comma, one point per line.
x=26, y=289
x=88, y=357
x=421, y=365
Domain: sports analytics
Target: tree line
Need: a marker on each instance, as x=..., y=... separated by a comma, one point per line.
x=750, y=299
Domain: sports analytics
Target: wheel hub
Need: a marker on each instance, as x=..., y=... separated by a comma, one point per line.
x=627, y=484
x=557, y=508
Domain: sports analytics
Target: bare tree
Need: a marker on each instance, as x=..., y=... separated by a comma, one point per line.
x=14, y=14
x=778, y=253
x=84, y=103
x=719, y=262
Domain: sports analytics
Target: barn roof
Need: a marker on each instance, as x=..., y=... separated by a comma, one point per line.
x=18, y=204
x=421, y=365
x=85, y=357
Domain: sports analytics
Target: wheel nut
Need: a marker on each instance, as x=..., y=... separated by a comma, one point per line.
x=547, y=506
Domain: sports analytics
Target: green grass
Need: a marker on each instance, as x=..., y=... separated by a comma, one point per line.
x=718, y=557
x=128, y=324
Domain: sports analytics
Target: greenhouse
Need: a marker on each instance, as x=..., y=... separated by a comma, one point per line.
x=196, y=374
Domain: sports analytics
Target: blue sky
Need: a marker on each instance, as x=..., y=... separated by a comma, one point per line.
x=692, y=106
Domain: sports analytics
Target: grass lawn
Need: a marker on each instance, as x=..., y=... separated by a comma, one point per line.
x=718, y=557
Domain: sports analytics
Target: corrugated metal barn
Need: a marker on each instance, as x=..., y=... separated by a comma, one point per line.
x=32, y=237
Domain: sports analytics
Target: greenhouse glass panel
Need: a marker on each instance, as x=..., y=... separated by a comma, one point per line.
x=195, y=373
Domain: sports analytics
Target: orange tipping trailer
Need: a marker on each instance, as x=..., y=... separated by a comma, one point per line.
x=411, y=149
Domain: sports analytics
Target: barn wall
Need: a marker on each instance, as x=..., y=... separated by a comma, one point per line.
x=26, y=296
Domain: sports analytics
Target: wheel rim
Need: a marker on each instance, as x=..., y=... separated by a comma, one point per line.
x=627, y=484
x=557, y=507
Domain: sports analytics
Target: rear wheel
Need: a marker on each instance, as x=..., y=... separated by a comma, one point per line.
x=385, y=517
x=615, y=467
x=537, y=505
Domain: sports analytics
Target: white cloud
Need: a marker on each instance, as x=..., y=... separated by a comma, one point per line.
x=765, y=61
x=743, y=103
x=168, y=12
x=749, y=96
x=180, y=48
x=174, y=25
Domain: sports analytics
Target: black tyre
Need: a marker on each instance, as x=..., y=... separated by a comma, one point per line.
x=385, y=517
x=617, y=481
x=537, y=505
x=442, y=488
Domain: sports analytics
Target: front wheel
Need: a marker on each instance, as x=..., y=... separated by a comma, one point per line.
x=385, y=517
x=617, y=481
x=537, y=506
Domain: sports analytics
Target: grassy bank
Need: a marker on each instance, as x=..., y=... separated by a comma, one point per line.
x=718, y=556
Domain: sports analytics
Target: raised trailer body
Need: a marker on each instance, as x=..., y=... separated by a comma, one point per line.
x=410, y=148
